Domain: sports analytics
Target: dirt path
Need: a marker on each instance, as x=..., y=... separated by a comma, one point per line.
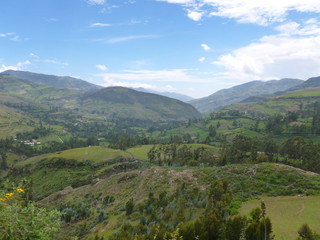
x=301, y=210
x=60, y=139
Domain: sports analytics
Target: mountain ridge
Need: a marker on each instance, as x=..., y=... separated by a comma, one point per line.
x=54, y=81
x=240, y=92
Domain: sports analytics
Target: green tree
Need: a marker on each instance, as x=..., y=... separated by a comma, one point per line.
x=129, y=206
x=305, y=233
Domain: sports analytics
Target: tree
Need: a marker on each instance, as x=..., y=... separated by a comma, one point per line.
x=129, y=206
x=3, y=161
x=259, y=226
x=305, y=233
x=212, y=131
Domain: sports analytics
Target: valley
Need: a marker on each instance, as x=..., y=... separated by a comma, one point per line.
x=116, y=163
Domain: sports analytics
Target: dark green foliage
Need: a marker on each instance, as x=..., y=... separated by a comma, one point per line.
x=129, y=206
x=36, y=133
x=315, y=127
x=168, y=214
x=180, y=155
x=305, y=233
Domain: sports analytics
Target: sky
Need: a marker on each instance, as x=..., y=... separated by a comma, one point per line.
x=193, y=47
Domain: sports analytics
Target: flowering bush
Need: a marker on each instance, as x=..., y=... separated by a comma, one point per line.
x=19, y=221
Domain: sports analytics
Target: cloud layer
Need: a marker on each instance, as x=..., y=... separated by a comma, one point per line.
x=18, y=66
x=294, y=52
x=247, y=11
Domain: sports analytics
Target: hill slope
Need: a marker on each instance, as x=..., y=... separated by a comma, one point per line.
x=54, y=81
x=127, y=103
x=308, y=84
x=238, y=93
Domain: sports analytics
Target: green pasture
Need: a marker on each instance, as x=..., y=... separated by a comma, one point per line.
x=289, y=213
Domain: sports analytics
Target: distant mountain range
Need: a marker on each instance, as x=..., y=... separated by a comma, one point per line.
x=104, y=103
x=70, y=87
x=79, y=84
x=313, y=82
x=54, y=81
x=174, y=95
x=241, y=92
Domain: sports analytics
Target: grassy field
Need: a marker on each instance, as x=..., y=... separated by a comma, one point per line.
x=314, y=92
x=289, y=213
x=93, y=154
x=140, y=151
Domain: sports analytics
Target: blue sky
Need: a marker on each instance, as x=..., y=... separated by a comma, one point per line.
x=195, y=47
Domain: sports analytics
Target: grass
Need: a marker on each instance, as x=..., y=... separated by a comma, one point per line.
x=94, y=154
x=314, y=92
x=140, y=152
x=289, y=213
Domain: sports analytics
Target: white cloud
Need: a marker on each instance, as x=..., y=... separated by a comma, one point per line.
x=177, y=1
x=34, y=55
x=308, y=28
x=13, y=37
x=195, y=15
x=205, y=47
x=98, y=24
x=6, y=34
x=96, y=2
x=249, y=11
x=124, y=39
x=202, y=59
x=102, y=67
x=18, y=66
x=173, y=75
x=275, y=56
x=53, y=61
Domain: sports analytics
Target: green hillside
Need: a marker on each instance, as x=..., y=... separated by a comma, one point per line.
x=32, y=91
x=246, y=181
x=127, y=103
x=54, y=81
x=313, y=82
x=289, y=102
x=76, y=167
x=239, y=93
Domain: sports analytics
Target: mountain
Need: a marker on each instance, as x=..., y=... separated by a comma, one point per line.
x=313, y=82
x=128, y=103
x=21, y=88
x=301, y=102
x=54, y=81
x=178, y=96
x=106, y=103
x=239, y=93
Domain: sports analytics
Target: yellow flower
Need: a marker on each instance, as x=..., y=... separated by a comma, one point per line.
x=20, y=190
x=2, y=200
x=9, y=194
